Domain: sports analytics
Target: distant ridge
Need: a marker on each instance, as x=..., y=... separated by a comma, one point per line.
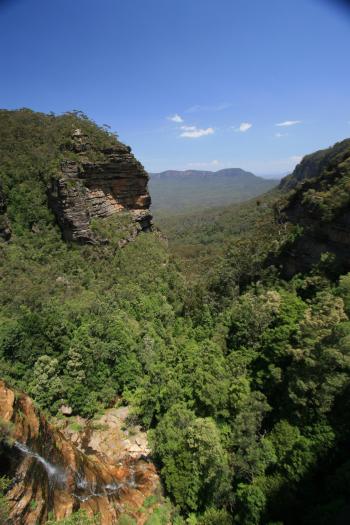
x=227, y=172
x=183, y=191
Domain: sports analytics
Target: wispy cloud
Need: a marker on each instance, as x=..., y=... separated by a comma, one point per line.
x=188, y=128
x=243, y=127
x=288, y=123
x=199, y=107
x=176, y=118
x=280, y=135
x=192, y=132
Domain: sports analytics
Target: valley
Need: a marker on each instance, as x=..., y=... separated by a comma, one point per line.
x=178, y=192
x=189, y=369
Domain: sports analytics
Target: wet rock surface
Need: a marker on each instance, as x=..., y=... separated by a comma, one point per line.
x=99, y=473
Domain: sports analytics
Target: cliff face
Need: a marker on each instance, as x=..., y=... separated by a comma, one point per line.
x=313, y=165
x=86, y=190
x=319, y=204
x=317, y=238
x=50, y=474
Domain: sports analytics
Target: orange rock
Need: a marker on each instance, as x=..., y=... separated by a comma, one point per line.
x=53, y=476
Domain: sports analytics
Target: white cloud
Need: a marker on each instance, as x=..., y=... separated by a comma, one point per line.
x=188, y=128
x=288, y=123
x=279, y=135
x=176, y=118
x=192, y=132
x=243, y=127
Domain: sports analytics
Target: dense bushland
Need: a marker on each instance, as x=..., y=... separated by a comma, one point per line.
x=241, y=378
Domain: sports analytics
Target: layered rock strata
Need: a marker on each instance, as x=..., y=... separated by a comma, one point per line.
x=85, y=190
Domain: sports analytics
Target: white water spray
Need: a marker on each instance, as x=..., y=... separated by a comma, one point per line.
x=86, y=490
x=55, y=474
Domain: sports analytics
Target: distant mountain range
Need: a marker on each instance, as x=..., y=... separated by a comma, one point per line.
x=184, y=191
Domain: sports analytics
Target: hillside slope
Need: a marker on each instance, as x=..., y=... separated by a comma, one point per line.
x=319, y=208
x=315, y=164
x=79, y=170
x=240, y=377
x=308, y=212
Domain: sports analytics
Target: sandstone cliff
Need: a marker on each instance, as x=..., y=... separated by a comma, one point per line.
x=77, y=168
x=85, y=190
x=50, y=474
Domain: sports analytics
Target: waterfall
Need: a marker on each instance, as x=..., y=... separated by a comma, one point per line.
x=56, y=475
x=85, y=490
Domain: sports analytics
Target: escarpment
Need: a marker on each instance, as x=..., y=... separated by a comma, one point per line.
x=51, y=476
x=80, y=170
x=85, y=190
x=316, y=163
x=319, y=207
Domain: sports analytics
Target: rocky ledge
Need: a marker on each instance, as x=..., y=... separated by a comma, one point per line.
x=85, y=189
x=52, y=476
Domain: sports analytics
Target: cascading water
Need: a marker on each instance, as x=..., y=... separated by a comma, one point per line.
x=56, y=475
x=85, y=490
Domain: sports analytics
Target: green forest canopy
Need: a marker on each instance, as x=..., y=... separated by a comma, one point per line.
x=251, y=370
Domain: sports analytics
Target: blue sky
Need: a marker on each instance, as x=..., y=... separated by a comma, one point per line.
x=187, y=83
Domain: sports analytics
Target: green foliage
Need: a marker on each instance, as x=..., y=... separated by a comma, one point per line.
x=195, y=464
x=242, y=379
x=215, y=517
x=179, y=192
x=221, y=243
x=46, y=386
x=125, y=519
x=6, y=431
x=160, y=516
x=149, y=501
x=4, y=507
x=77, y=518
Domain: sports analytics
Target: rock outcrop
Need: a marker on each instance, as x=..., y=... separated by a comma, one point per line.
x=85, y=190
x=317, y=238
x=51, y=475
x=319, y=206
x=314, y=164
